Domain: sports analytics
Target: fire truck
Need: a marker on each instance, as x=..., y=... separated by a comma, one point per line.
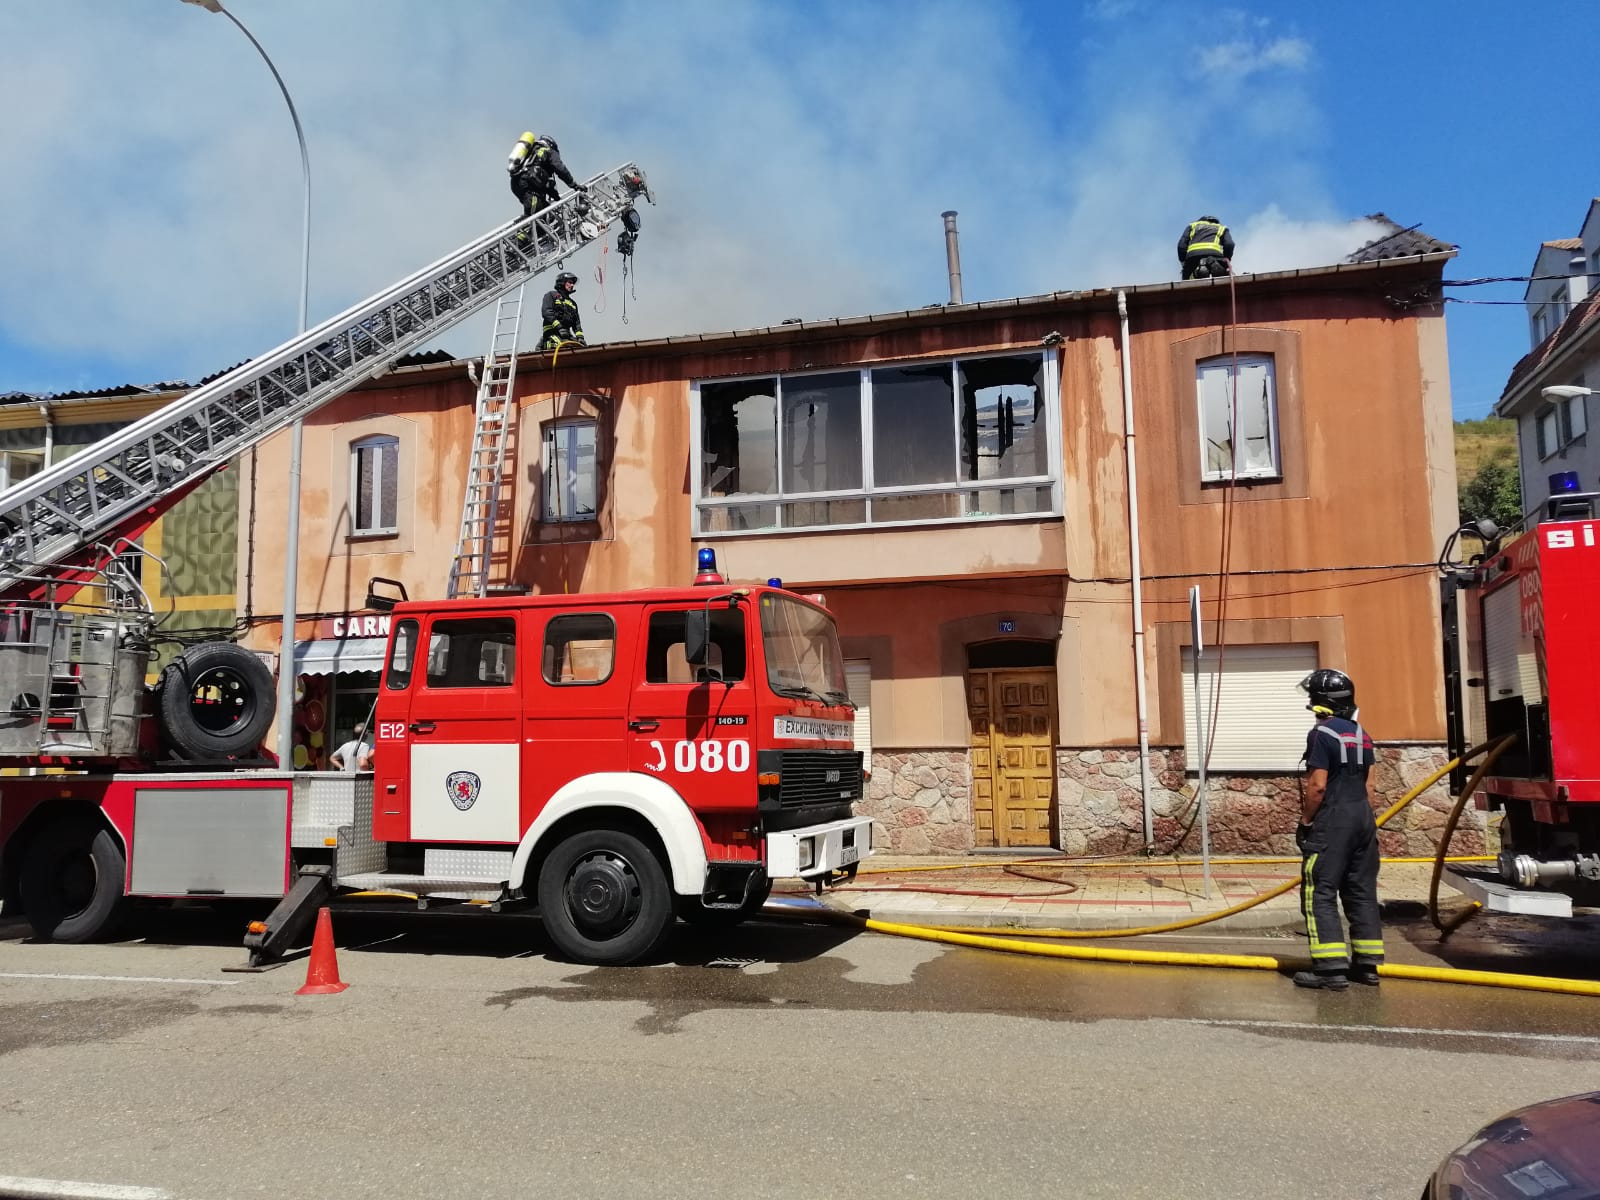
x=618, y=760
x=1522, y=657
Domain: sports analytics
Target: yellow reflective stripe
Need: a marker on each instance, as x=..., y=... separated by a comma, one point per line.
x=1305, y=896
x=1363, y=946
x=1329, y=950
x=1212, y=244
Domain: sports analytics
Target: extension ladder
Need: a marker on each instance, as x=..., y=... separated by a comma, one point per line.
x=480, y=508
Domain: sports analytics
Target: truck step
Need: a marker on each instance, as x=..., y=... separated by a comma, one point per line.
x=1496, y=895
x=424, y=885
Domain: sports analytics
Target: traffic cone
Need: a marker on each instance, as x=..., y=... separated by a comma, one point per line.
x=322, y=970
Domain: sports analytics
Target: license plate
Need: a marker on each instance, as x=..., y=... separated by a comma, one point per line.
x=848, y=855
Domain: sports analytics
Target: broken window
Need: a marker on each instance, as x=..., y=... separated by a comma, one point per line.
x=1238, y=418
x=374, y=486
x=822, y=433
x=569, y=471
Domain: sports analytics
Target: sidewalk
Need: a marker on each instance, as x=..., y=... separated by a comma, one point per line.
x=1087, y=894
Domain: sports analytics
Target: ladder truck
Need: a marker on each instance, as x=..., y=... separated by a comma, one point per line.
x=1521, y=660
x=621, y=760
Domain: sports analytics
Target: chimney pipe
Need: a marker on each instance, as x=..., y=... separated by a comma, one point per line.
x=952, y=253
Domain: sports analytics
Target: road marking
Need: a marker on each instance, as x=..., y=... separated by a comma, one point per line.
x=117, y=979
x=1405, y=1029
x=67, y=1189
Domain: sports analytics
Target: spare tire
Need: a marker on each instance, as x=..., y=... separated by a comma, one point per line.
x=216, y=701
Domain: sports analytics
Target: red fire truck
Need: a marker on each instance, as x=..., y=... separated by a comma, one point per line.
x=618, y=760
x=1522, y=656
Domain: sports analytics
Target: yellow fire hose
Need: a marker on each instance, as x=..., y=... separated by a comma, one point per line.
x=1015, y=944
x=1446, y=928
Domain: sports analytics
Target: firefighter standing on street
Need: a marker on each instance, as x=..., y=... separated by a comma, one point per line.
x=535, y=165
x=1339, y=839
x=562, y=324
x=1205, y=248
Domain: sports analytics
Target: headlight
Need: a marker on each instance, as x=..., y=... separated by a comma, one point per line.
x=804, y=852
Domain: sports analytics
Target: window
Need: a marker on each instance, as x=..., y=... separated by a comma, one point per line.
x=1558, y=424
x=569, y=471
x=858, y=682
x=17, y=465
x=725, y=658
x=1260, y=711
x=579, y=649
x=402, y=655
x=1238, y=434
x=472, y=653
x=374, y=486
x=968, y=439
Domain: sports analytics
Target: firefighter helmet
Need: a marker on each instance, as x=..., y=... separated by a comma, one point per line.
x=1331, y=692
x=566, y=277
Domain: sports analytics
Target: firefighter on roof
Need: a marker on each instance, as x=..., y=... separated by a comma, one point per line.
x=535, y=165
x=1205, y=248
x=562, y=325
x=1339, y=839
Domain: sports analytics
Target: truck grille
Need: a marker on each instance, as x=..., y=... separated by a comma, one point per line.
x=813, y=778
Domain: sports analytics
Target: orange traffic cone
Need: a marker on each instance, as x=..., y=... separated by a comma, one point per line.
x=322, y=970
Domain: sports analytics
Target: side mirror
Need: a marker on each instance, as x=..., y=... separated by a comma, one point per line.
x=696, y=637
x=384, y=603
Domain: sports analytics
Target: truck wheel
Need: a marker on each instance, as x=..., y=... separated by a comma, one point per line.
x=216, y=701
x=697, y=914
x=71, y=882
x=604, y=899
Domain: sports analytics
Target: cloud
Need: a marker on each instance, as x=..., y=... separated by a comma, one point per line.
x=802, y=155
x=1238, y=60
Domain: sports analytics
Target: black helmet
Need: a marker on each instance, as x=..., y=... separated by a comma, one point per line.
x=550, y=141
x=1332, y=693
x=566, y=277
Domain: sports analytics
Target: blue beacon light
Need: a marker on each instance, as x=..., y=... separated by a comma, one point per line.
x=1564, y=481
x=775, y=582
x=706, y=564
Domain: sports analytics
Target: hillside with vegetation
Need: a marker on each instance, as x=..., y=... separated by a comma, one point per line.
x=1486, y=471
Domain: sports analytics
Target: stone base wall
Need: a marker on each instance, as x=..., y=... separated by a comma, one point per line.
x=1102, y=812
x=920, y=802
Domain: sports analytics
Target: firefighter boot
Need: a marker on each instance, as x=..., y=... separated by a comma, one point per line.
x=1366, y=975
x=1335, y=981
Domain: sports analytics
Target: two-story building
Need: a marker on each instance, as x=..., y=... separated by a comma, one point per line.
x=1563, y=298
x=974, y=489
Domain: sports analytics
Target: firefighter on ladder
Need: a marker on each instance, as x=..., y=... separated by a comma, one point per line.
x=1205, y=248
x=1339, y=838
x=535, y=165
x=562, y=325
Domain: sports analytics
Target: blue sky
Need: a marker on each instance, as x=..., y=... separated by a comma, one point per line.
x=802, y=151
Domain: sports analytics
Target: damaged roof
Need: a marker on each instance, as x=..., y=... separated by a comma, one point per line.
x=1398, y=242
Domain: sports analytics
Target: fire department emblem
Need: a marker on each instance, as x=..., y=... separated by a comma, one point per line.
x=462, y=787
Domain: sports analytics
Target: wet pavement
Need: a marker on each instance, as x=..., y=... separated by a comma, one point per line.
x=780, y=1058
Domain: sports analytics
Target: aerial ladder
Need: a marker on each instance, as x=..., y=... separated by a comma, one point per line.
x=64, y=528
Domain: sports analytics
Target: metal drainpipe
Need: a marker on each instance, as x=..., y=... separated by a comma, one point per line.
x=49, y=434
x=1141, y=701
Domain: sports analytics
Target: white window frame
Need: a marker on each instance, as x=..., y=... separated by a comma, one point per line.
x=1570, y=419
x=375, y=442
x=1274, y=470
x=869, y=491
x=11, y=459
x=548, y=443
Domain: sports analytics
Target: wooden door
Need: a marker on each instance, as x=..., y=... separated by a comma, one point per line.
x=1011, y=715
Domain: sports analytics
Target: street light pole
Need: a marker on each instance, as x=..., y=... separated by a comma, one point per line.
x=291, y=570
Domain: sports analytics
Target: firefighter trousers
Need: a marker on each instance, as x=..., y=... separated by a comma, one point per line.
x=1341, y=864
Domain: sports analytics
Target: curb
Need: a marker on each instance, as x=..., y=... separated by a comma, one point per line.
x=1264, y=920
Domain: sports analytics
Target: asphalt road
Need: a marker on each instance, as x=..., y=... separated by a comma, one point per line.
x=462, y=1061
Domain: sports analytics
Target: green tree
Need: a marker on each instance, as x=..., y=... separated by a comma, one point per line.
x=1494, y=492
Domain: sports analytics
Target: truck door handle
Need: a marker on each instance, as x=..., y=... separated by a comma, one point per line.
x=421, y=727
x=644, y=725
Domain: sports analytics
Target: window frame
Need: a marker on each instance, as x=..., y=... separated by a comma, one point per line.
x=1274, y=425
x=544, y=645
x=443, y=626
x=869, y=491
x=548, y=431
x=375, y=441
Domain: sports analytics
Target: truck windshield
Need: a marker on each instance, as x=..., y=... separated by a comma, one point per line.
x=803, y=656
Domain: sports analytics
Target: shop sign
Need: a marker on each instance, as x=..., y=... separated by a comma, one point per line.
x=355, y=625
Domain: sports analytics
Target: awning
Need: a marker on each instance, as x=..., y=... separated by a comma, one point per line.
x=333, y=656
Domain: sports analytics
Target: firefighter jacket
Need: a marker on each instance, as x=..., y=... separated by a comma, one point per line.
x=561, y=320
x=1202, y=239
x=538, y=163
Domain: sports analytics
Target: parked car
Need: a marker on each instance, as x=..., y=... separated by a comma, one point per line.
x=1549, y=1149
